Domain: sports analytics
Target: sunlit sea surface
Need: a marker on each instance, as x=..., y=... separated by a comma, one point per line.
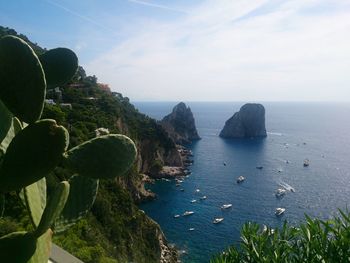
x=296, y=131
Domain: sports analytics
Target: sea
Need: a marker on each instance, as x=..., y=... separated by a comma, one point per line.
x=316, y=131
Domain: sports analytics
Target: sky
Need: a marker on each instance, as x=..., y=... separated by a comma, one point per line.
x=192, y=50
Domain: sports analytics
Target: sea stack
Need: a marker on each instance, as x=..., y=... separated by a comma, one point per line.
x=249, y=122
x=180, y=124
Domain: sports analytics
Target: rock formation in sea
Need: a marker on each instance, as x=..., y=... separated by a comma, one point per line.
x=180, y=124
x=247, y=123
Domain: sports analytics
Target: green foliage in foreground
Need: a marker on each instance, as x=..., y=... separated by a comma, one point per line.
x=314, y=241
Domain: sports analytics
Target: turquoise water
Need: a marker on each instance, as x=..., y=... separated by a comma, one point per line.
x=317, y=131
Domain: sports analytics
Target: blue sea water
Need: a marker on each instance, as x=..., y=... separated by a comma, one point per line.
x=317, y=131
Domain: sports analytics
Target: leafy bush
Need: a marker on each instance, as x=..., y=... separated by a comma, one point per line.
x=314, y=241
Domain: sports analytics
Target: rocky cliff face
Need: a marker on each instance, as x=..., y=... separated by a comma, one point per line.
x=180, y=124
x=248, y=122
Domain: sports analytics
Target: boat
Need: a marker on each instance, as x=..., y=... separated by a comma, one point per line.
x=177, y=184
x=259, y=167
x=240, y=179
x=218, y=220
x=226, y=206
x=191, y=229
x=188, y=213
x=203, y=197
x=280, y=192
x=279, y=211
x=182, y=190
x=176, y=216
x=193, y=200
x=280, y=170
x=306, y=162
x=224, y=164
x=197, y=190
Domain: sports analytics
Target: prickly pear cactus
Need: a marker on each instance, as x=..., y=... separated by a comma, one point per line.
x=33, y=153
x=30, y=149
x=103, y=157
x=22, y=85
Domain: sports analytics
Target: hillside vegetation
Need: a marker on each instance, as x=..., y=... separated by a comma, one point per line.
x=115, y=230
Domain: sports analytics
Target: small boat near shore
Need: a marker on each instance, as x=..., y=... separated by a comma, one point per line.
x=188, y=213
x=176, y=216
x=193, y=201
x=279, y=211
x=226, y=206
x=218, y=220
x=240, y=179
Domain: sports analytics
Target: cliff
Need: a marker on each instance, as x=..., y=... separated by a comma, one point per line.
x=180, y=124
x=247, y=123
x=115, y=230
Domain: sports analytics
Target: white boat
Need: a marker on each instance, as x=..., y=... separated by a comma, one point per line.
x=279, y=211
x=182, y=190
x=218, y=220
x=176, y=216
x=280, y=192
x=188, y=213
x=203, y=197
x=226, y=206
x=197, y=190
x=193, y=200
x=240, y=179
x=306, y=162
x=191, y=229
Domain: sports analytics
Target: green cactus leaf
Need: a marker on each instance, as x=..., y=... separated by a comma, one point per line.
x=102, y=157
x=14, y=129
x=43, y=248
x=60, y=65
x=53, y=208
x=6, y=121
x=35, y=200
x=32, y=154
x=17, y=247
x=22, y=85
x=82, y=195
x=2, y=204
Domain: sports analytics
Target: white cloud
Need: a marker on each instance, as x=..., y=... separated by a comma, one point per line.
x=236, y=50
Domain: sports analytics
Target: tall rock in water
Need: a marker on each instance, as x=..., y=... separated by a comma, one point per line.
x=180, y=124
x=248, y=122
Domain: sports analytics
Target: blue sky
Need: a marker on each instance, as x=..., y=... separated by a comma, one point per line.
x=221, y=50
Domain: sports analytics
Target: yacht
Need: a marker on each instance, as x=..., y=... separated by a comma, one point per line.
x=240, y=179
x=280, y=192
x=203, y=197
x=197, y=190
x=191, y=229
x=279, y=211
x=218, y=220
x=188, y=213
x=306, y=162
x=176, y=216
x=226, y=206
x=193, y=200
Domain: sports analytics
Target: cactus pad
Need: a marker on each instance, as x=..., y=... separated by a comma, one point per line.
x=17, y=247
x=59, y=64
x=102, y=157
x=82, y=195
x=22, y=79
x=35, y=200
x=6, y=121
x=53, y=208
x=32, y=154
x=43, y=248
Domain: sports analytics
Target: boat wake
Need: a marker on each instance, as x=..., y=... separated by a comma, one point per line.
x=287, y=186
x=275, y=133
